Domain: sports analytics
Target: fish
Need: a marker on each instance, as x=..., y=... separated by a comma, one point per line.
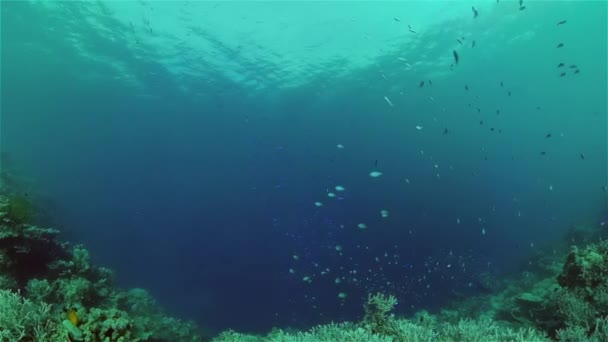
x=388, y=101
x=466, y=87
x=497, y=111
x=509, y=93
x=542, y=153
x=430, y=83
x=548, y=135
x=473, y=44
x=481, y=122
x=560, y=45
x=582, y=156
x=521, y=8
x=475, y=13
x=459, y=41
x=445, y=131
x=502, y=84
x=573, y=66
x=576, y=71
x=563, y=74
x=421, y=84
x=409, y=27
x=456, y=58
x=560, y=65
x=396, y=19
x=562, y=22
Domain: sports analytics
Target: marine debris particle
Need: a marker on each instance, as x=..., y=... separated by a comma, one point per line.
x=475, y=13
x=331, y=194
x=409, y=27
x=295, y=257
x=318, y=204
x=342, y=295
x=456, y=58
x=483, y=231
x=340, y=188
x=421, y=84
x=384, y=213
x=419, y=127
x=375, y=174
x=340, y=146
x=307, y=279
x=560, y=45
x=388, y=101
x=337, y=280
x=338, y=248
x=362, y=226
x=561, y=22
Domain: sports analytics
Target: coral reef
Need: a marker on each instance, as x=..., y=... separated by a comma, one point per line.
x=49, y=291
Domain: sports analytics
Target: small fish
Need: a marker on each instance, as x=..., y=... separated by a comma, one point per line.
x=560, y=45
x=521, y=8
x=388, y=101
x=502, y=84
x=562, y=22
x=573, y=66
x=509, y=93
x=538, y=108
x=478, y=110
x=548, y=135
x=582, y=156
x=445, y=131
x=456, y=58
x=473, y=44
x=562, y=74
x=421, y=84
x=466, y=87
x=497, y=111
x=576, y=71
x=475, y=13
x=542, y=153
x=521, y=3
x=480, y=122
x=560, y=65
x=409, y=27
x=430, y=83
x=492, y=129
x=459, y=41
x=396, y=19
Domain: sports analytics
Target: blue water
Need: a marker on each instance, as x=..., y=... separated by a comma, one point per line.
x=186, y=143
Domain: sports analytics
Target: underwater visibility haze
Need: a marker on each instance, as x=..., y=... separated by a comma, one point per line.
x=270, y=164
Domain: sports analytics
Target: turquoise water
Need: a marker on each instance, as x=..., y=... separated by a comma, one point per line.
x=186, y=143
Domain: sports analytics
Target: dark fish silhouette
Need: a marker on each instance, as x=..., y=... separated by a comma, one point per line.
x=445, y=131
x=456, y=58
x=502, y=84
x=521, y=8
x=573, y=66
x=492, y=129
x=475, y=13
x=466, y=87
x=563, y=74
x=509, y=93
x=561, y=22
x=576, y=71
x=430, y=83
x=548, y=135
x=497, y=111
x=421, y=84
x=582, y=156
x=560, y=65
x=481, y=122
x=560, y=45
x=473, y=44
x=542, y=153
x=396, y=19
x=459, y=41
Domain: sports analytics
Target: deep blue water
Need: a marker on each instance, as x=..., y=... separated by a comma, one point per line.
x=192, y=169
